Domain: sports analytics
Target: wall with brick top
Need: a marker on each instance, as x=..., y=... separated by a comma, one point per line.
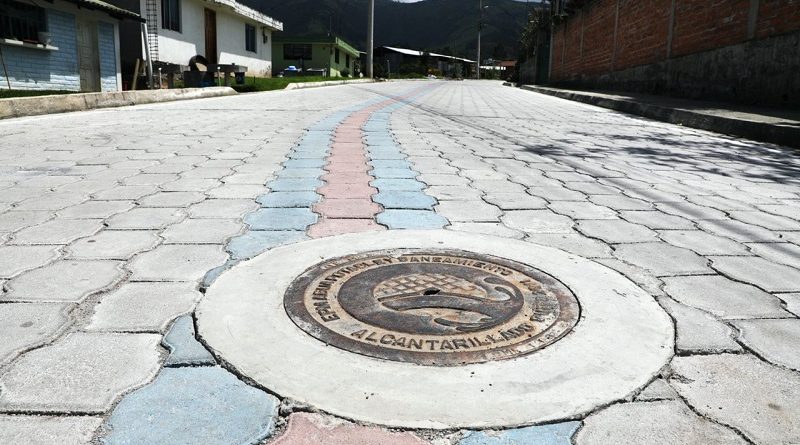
x=738, y=50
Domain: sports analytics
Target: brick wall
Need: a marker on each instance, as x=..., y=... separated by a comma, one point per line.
x=34, y=69
x=108, y=57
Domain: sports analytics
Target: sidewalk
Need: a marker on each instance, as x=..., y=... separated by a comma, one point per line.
x=778, y=126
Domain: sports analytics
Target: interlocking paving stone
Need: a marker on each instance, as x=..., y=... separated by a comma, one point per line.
x=657, y=390
x=411, y=219
x=765, y=274
x=14, y=220
x=222, y=208
x=441, y=179
x=126, y=192
x=289, y=199
x=556, y=193
x=176, y=263
x=113, y=245
x=641, y=277
x=775, y=340
x=313, y=429
x=338, y=226
x=662, y=259
x=633, y=423
x=47, y=430
x=723, y=297
x=146, y=218
x=620, y=202
x=83, y=372
x=792, y=302
x=739, y=231
x=27, y=325
x=516, y=201
x=583, y=210
x=408, y=185
x=255, y=242
x=454, y=193
x=143, y=307
x=766, y=220
x=537, y=221
x=280, y=219
x=95, y=209
x=294, y=184
x=393, y=173
x=201, y=231
x=657, y=220
x=697, y=331
x=51, y=201
x=191, y=405
x=702, y=242
x=487, y=228
x=58, y=231
x=347, y=208
x=573, y=243
x=404, y=200
x=64, y=280
x=784, y=253
x=553, y=434
x=616, y=231
x=184, y=349
x=17, y=259
x=752, y=396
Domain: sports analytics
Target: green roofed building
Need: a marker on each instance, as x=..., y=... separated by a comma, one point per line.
x=327, y=56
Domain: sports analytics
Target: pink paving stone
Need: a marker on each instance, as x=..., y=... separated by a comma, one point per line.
x=348, y=168
x=347, y=208
x=347, y=158
x=347, y=145
x=347, y=178
x=316, y=429
x=352, y=191
x=331, y=227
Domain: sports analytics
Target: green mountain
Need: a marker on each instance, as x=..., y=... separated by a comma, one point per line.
x=445, y=26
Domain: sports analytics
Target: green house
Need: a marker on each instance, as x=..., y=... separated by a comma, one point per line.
x=327, y=56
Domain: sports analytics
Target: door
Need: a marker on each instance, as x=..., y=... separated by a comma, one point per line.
x=88, y=56
x=211, y=36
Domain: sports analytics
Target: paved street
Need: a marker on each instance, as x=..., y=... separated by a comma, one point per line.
x=113, y=223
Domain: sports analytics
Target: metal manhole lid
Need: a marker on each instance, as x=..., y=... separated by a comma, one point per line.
x=431, y=307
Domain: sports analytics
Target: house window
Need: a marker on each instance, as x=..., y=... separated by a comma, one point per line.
x=19, y=21
x=293, y=51
x=171, y=15
x=250, y=38
x=347, y=60
x=336, y=56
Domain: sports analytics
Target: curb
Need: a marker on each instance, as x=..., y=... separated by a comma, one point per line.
x=759, y=131
x=33, y=106
x=328, y=83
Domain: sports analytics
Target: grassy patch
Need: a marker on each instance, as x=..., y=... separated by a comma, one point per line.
x=253, y=84
x=7, y=94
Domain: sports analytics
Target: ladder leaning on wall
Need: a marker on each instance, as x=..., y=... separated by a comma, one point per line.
x=151, y=15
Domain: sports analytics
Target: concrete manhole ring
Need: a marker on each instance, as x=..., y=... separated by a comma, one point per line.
x=260, y=318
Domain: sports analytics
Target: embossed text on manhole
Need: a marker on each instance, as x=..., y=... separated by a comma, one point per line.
x=431, y=307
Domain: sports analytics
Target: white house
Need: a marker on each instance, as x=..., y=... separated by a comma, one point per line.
x=222, y=31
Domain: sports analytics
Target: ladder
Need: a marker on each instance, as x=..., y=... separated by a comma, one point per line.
x=151, y=15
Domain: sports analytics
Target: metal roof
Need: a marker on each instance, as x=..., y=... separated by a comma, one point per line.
x=110, y=9
x=243, y=11
x=416, y=53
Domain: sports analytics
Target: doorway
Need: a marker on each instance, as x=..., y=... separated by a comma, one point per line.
x=211, y=36
x=88, y=56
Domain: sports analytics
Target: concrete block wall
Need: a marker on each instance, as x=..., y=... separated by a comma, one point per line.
x=34, y=69
x=108, y=57
x=710, y=49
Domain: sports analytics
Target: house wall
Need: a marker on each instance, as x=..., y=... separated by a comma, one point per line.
x=322, y=57
x=738, y=50
x=231, y=44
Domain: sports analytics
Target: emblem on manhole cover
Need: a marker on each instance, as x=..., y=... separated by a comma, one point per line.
x=431, y=307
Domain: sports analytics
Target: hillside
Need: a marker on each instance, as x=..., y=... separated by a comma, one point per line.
x=448, y=26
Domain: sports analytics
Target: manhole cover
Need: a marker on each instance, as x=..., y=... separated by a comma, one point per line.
x=431, y=307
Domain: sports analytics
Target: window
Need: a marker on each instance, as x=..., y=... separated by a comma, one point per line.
x=347, y=60
x=171, y=15
x=19, y=21
x=336, y=56
x=250, y=38
x=292, y=51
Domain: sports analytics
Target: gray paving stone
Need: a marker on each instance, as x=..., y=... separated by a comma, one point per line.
x=454, y=193
x=253, y=243
x=766, y=220
x=765, y=274
x=236, y=191
x=491, y=187
x=184, y=349
x=17, y=259
x=641, y=277
x=281, y=219
x=792, y=302
x=537, y=221
x=13, y=220
x=95, y=209
x=620, y=202
x=467, y=211
x=192, y=184
x=393, y=173
x=146, y=218
x=81, y=373
x=657, y=390
x=289, y=199
x=697, y=331
x=723, y=297
x=172, y=199
x=222, y=208
x=404, y=200
x=657, y=220
x=765, y=409
x=702, y=242
x=662, y=259
x=653, y=423
x=411, y=219
x=789, y=211
x=143, y=307
x=775, y=340
x=552, y=434
x=440, y=179
x=190, y=405
x=718, y=202
x=51, y=201
x=47, y=430
x=739, y=231
x=176, y=263
x=58, y=231
x=408, y=185
x=616, y=231
x=64, y=280
x=487, y=228
x=126, y=192
x=784, y=253
x=202, y=231
x=583, y=210
x=295, y=184
x=113, y=245
x=516, y=201
x=573, y=243
x=27, y=325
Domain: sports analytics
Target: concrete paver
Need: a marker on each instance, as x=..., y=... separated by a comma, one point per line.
x=143, y=307
x=64, y=280
x=312, y=429
x=17, y=259
x=113, y=245
x=772, y=339
x=554, y=434
x=27, y=325
x=723, y=297
x=47, y=430
x=184, y=349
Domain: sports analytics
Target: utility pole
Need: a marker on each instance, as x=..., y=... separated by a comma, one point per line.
x=370, y=37
x=480, y=26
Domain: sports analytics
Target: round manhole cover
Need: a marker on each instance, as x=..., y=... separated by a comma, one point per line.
x=431, y=307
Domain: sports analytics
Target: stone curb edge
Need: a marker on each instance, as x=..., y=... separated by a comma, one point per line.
x=327, y=83
x=759, y=131
x=33, y=106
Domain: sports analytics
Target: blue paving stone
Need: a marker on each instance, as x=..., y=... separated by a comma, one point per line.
x=392, y=199
x=389, y=163
x=191, y=406
x=280, y=219
x=254, y=243
x=294, y=185
x=184, y=349
x=556, y=434
x=214, y=273
x=288, y=199
x=301, y=173
x=310, y=153
x=407, y=185
x=304, y=163
x=386, y=155
x=394, y=173
x=411, y=219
